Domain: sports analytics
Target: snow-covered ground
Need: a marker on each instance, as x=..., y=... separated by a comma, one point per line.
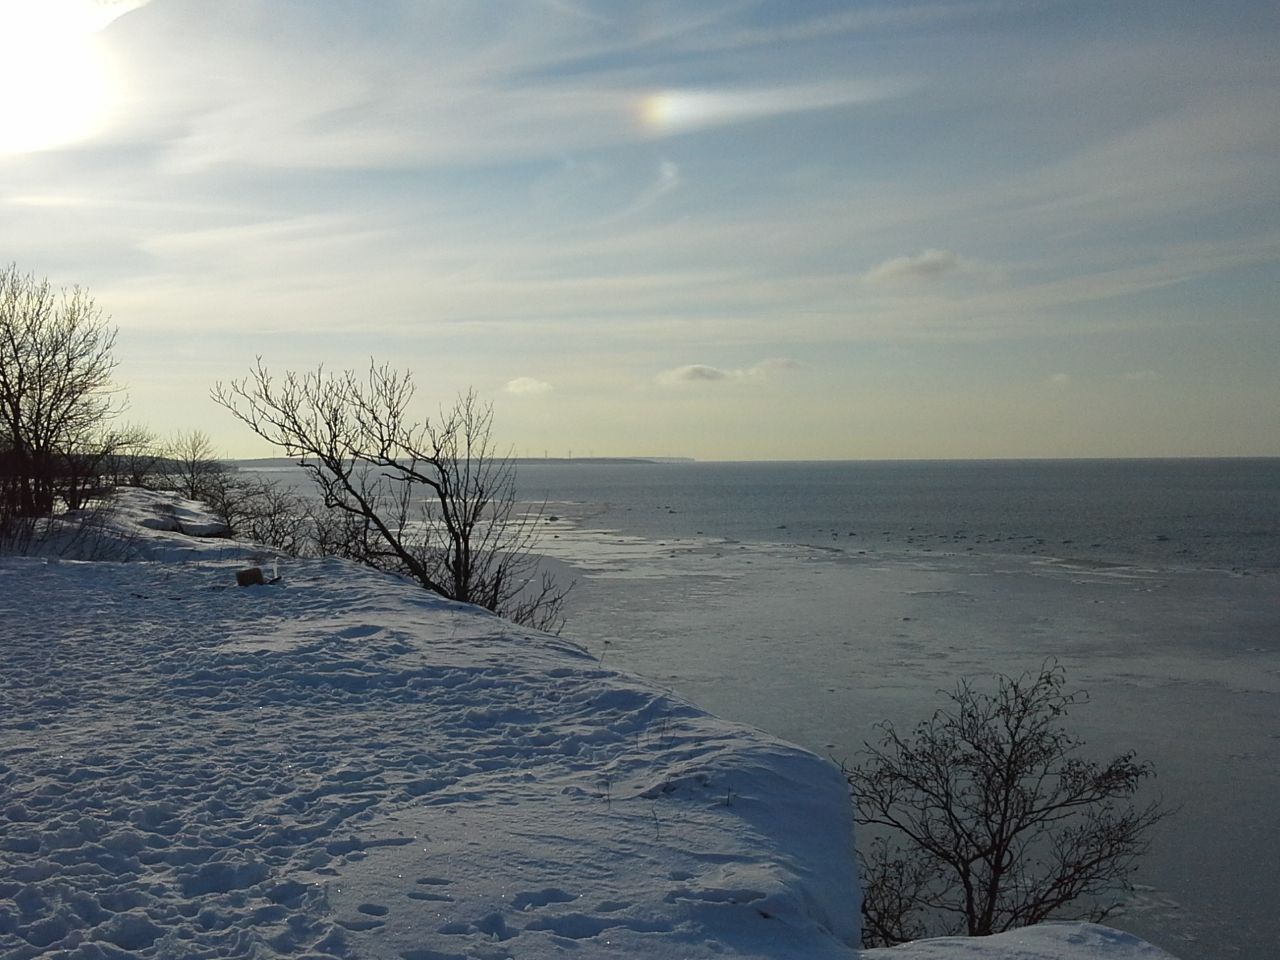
x=341, y=764
x=1047, y=941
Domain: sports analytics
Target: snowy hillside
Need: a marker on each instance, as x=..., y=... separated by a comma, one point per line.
x=340, y=764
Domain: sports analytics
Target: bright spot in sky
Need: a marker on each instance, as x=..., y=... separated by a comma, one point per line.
x=58, y=80
x=673, y=111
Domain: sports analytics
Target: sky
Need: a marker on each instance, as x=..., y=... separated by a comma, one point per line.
x=722, y=229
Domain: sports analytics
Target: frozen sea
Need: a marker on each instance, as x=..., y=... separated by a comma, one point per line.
x=815, y=599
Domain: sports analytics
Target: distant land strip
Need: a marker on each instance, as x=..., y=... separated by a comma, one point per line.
x=276, y=463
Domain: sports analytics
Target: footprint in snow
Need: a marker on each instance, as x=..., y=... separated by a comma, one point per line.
x=428, y=897
x=358, y=924
x=540, y=898
x=492, y=925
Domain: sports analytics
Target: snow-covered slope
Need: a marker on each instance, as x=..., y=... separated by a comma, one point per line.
x=341, y=764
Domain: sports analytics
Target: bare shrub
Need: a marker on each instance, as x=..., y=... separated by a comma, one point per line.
x=432, y=499
x=991, y=819
x=85, y=533
x=192, y=468
x=261, y=511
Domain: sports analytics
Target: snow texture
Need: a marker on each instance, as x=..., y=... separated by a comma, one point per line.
x=1046, y=941
x=341, y=764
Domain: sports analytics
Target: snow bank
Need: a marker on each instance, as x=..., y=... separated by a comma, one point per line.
x=343, y=765
x=1046, y=941
x=137, y=525
x=153, y=510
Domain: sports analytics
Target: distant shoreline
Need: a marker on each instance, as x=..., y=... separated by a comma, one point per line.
x=261, y=462
x=252, y=463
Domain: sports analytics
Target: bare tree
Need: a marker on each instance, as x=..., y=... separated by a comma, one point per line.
x=136, y=458
x=430, y=498
x=193, y=469
x=56, y=363
x=110, y=455
x=992, y=820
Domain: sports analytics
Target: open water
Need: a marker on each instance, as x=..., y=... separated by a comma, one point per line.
x=1223, y=514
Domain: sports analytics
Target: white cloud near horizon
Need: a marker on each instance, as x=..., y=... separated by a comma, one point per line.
x=704, y=373
x=926, y=265
x=527, y=387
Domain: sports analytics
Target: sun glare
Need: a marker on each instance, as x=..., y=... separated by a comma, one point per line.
x=55, y=71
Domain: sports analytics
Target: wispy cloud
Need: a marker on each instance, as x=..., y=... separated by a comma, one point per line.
x=877, y=17
x=47, y=200
x=527, y=387
x=922, y=266
x=704, y=373
x=407, y=87
x=668, y=180
x=1201, y=155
